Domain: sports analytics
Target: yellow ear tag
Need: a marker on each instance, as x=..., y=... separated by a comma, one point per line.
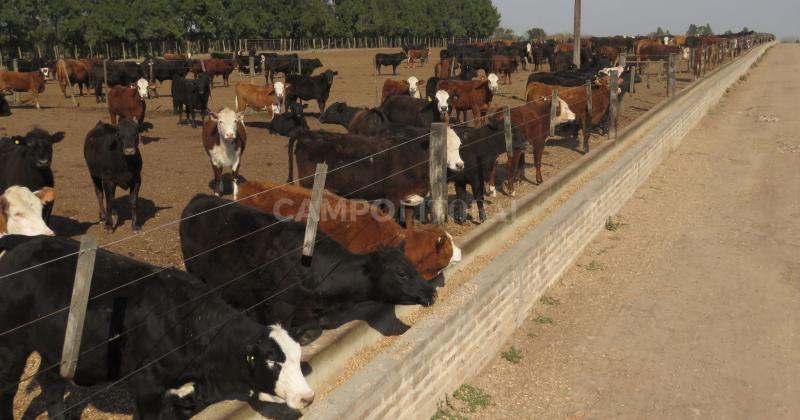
x=429, y=99
x=16, y=141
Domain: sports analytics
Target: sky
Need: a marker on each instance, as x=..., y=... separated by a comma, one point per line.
x=632, y=17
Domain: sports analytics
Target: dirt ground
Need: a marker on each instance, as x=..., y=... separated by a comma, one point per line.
x=686, y=306
x=176, y=166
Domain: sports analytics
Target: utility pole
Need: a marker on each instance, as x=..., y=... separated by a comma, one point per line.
x=576, y=50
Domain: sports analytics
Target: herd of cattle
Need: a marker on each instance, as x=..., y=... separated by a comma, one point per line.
x=231, y=325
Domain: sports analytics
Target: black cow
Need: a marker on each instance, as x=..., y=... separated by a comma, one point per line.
x=194, y=346
x=358, y=120
x=5, y=110
x=112, y=156
x=190, y=96
x=222, y=55
x=293, y=119
x=164, y=70
x=393, y=60
x=119, y=73
x=306, y=88
x=561, y=61
x=25, y=161
x=267, y=263
x=415, y=112
x=480, y=148
x=275, y=64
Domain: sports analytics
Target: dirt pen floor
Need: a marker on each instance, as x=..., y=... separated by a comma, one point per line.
x=176, y=166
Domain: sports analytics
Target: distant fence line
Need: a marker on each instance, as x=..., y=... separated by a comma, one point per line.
x=124, y=50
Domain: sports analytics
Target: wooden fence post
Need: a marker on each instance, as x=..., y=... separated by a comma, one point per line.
x=299, y=65
x=69, y=85
x=105, y=72
x=313, y=212
x=15, y=65
x=631, y=88
x=77, y=307
x=671, y=76
x=437, y=164
x=252, y=68
x=623, y=60
x=589, y=104
x=614, y=106
x=553, y=104
x=508, y=133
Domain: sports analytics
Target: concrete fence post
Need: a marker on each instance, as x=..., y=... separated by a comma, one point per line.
x=553, y=104
x=614, y=105
x=15, y=65
x=314, y=211
x=589, y=104
x=671, y=76
x=252, y=65
x=507, y=131
x=437, y=164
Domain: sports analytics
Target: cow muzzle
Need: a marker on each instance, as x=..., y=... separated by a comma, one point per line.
x=129, y=151
x=42, y=163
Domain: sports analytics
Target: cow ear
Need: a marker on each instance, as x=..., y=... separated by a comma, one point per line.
x=57, y=137
x=420, y=82
x=20, y=140
x=46, y=195
x=240, y=116
x=213, y=116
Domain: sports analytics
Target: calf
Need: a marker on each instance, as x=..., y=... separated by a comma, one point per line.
x=127, y=103
x=393, y=60
x=213, y=67
x=12, y=81
x=223, y=354
x=21, y=211
x=222, y=244
x=417, y=112
x=358, y=226
x=78, y=72
x=259, y=98
x=408, y=87
x=503, y=66
x=287, y=123
x=224, y=139
x=112, y=156
x=26, y=161
x=119, y=73
x=190, y=96
x=305, y=88
x=421, y=54
x=533, y=119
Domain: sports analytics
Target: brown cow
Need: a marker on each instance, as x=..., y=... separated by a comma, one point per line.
x=259, y=98
x=224, y=139
x=421, y=54
x=213, y=67
x=356, y=224
x=408, y=87
x=178, y=56
x=533, y=119
x=609, y=53
x=575, y=98
x=32, y=82
x=79, y=72
x=474, y=95
x=125, y=102
x=503, y=66
x=446, y=68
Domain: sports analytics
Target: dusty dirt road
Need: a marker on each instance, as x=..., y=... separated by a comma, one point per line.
x=688, y=309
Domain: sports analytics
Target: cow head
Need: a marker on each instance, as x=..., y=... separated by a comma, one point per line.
x=45, y=72
x=413, y=86
x=328, y=75
x=454, y=162
x=203, y=84
x=275, y=372
x=38, y=146
x=128, y=136
x=394, y=279
x=21, y=211
x=563, y=113
x=227, y=122
x=280, y=94
x=492, y=78
x=442, y=99
x=142, y=86
x=685, y=51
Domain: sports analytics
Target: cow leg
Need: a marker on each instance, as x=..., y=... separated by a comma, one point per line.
x=133, y=197
x=53, y=387
x=460, y=206
x=321, y=105
x=13, y=365
x=537, y=162
x=512, y=171
x=113, y=117
x=217, y=180
x=492, y=181
x=98, y=190
x=109, y=190
x=148, y=405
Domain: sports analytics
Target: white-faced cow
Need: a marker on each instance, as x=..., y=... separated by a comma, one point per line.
x=21, y=211
x=224, y=139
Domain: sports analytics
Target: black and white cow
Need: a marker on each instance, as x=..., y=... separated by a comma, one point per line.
x=194, y=347
x=25, y=160
x=263, y=253
x=113, y=158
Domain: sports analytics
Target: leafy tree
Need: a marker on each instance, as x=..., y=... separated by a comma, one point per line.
x=692, y=31
x=536, y=33
x=504, y=33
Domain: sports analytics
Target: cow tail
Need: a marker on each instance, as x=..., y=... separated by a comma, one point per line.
x=292, y=140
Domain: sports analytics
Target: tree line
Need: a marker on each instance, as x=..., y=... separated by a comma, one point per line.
x=29, y=24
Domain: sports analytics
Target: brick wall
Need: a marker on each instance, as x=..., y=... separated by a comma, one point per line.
x=438, y=354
